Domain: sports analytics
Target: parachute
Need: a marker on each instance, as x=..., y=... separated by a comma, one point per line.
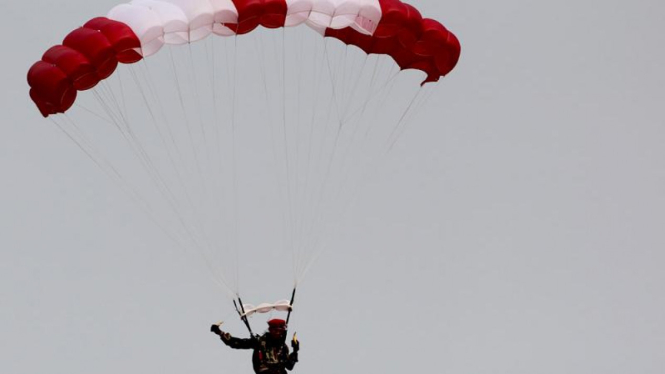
x=186, y=96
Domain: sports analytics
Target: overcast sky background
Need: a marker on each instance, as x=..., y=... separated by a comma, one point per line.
x=518, y=227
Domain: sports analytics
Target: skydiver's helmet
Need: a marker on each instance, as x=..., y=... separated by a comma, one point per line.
x=277, y=329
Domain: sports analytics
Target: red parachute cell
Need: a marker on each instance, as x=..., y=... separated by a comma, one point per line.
x=74, y=64
x=87, y=55
x=253, y=13
x=122, y=38
x=51, y=89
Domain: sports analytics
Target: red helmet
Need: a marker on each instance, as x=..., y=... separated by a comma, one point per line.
x=277, y=323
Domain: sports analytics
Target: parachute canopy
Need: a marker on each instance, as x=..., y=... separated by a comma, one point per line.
x=140, y=28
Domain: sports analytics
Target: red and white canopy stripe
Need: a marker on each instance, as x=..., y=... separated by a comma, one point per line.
x=140, y=28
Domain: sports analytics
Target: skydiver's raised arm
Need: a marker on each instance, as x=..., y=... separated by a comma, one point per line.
x=235, y=343
x=238, y=343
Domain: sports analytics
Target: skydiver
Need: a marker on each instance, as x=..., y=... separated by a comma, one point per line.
x=271, y=355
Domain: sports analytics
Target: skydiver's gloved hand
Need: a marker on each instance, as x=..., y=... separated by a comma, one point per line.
x=216, y=330
x=295, y=344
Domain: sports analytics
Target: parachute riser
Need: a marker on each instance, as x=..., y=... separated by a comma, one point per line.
x=242, y=315
x=293, y=296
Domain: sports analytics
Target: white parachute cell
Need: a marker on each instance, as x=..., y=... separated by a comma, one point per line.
x=368, y=17
x=200, y=14
x=362, y=15
x=224, y=13
x=175, y=25
x=159, y=22
x=146, y=24
x=297, y=12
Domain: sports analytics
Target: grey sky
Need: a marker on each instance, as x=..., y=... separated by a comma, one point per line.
x=517, y=226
